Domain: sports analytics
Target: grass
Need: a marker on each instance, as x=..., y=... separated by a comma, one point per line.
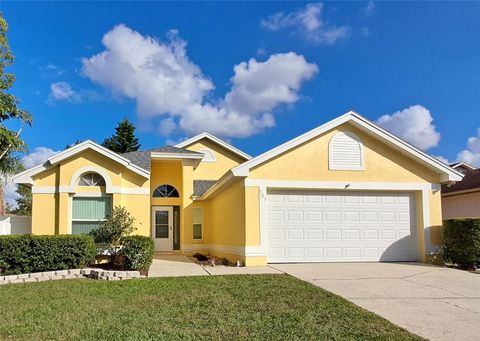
x=262, y=307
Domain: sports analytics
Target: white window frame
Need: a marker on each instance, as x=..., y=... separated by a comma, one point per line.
x=91, y=175
x=201, y=224
x=86, y=195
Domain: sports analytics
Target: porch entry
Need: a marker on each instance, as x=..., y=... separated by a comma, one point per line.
x=166, y=228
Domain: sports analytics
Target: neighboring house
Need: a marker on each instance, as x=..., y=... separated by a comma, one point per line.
x=345, y=191
x=462, y=167
x=462, y=199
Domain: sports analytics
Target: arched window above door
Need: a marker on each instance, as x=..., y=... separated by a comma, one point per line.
x=165, y=191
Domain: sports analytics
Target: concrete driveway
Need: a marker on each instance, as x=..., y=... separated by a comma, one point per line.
x=433, y=302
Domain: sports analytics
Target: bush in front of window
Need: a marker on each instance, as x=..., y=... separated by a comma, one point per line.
x=462, y=242
x=138, y=252
x=109, y=234
x=26, y=253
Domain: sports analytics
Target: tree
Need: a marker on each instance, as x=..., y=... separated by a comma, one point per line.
x=77, y=141
x=24, y=202
x=10, y=141
x=124, y=140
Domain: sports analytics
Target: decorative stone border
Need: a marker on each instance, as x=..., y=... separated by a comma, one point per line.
x=70, y=274
x=109, y=275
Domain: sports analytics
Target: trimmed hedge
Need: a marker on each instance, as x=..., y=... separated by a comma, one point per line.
x=26, y=253
x=462, y=242
x=138, y=251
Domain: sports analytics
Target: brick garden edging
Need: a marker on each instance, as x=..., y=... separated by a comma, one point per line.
x=109, y=275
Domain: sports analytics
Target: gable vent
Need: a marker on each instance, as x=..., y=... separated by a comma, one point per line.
x=345, y=152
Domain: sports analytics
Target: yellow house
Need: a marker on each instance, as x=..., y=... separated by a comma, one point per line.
x=345, y=191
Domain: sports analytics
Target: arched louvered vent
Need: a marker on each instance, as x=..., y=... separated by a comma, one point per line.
x=345, y=152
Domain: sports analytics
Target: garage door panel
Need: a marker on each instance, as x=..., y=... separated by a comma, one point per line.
x=307, y=226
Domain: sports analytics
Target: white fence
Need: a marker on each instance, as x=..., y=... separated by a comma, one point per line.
x=15, y=225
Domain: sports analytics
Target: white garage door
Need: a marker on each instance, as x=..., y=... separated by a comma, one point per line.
x=334, y=226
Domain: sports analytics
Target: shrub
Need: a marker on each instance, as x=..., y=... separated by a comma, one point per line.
x=109, y=234
x=138, y=252
x=26, y=253
x=462, y=241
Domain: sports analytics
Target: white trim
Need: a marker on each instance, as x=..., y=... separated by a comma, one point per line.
x=83, y=195
x=220, y=183
x=342, y=185
x=208, y=155
x=462, y=164
x=159, y=155
x=331, y=161
x=264, y=185
x=90, y=195
x=449, y=174
x=44, y=190
x=91, y=169
x=25, y=177
x=169, y=209
x=67, y=189
x=217, y=141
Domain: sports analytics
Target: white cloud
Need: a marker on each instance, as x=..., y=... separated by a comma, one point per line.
x=159, y=76
x=260, y=87
x=370, y=9
x=51, y=71
x=471, y=155
x=441, y=158
x=165, y=83
x=309, y=22
x=414, y=125
x=38, y=156
x=62, y=91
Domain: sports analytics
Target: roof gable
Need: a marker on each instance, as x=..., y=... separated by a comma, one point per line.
x=447, y=173
x=143, y=158
x=25, y=177
x=217, y=141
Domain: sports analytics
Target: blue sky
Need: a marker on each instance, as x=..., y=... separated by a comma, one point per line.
x=257, y=74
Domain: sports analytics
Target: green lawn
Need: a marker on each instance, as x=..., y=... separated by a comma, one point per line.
x=263, y=307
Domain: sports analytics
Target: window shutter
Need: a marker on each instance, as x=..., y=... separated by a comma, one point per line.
x=91, y=208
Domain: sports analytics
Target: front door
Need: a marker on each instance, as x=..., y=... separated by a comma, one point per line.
x=162, y=228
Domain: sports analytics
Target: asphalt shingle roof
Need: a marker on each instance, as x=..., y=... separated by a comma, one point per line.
x=471, y=180
x=142, y=158
x=200, y=187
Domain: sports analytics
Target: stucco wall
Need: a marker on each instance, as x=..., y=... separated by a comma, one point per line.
x=382, y=165
x=225, y=160
x=465, y=205
x=310, y=162
x=227, y=214
x=51, y=212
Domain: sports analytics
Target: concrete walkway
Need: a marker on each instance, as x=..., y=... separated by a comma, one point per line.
x=180, y=265
x=434, y=302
